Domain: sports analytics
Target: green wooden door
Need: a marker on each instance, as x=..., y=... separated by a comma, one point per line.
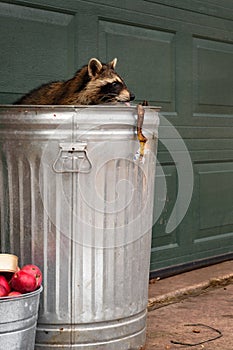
x=175, y=53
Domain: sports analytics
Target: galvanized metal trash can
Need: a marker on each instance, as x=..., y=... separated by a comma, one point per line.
x=18, y=321
x=77, y=202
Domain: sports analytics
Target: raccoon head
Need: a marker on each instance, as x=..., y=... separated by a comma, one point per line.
x=106, y=85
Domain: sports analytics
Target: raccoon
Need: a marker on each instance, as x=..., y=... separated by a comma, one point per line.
x=95, y=83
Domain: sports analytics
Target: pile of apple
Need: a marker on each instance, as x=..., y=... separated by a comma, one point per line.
x=25, y=280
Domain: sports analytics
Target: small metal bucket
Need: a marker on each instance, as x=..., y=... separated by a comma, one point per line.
x=18, y=321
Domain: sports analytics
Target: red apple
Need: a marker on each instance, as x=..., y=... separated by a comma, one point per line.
x=5, y=284
x=3, y=292
x=7, y=275
x=14, y=294
x=34, y=271
x=23, y=282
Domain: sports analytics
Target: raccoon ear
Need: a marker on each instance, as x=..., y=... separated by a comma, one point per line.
x=94, y=67
x=113, y=63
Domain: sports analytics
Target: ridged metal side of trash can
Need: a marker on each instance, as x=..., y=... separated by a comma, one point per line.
x=18, y=321
x=77, y=201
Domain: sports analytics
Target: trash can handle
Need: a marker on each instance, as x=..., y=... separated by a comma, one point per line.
x=72, y=158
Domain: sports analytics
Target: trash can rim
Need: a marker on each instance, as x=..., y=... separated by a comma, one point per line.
x=70, y=107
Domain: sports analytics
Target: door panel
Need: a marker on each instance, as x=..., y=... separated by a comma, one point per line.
x=157, y=47
x=38, y=48
x=213, y=85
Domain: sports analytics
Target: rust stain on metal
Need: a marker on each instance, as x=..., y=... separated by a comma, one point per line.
x=141, y=138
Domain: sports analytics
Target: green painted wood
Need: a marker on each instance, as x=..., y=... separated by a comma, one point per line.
x=174, y=53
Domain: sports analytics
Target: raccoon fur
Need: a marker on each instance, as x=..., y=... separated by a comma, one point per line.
x=95, y=83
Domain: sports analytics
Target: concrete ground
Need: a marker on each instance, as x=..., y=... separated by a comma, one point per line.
x=193, y=310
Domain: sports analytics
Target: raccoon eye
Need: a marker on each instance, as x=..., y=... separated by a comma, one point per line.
x=114, y=84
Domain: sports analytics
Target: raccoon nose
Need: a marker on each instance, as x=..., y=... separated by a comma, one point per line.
x=132, y=96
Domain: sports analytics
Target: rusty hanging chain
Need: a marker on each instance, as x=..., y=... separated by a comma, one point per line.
x=141, y=138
